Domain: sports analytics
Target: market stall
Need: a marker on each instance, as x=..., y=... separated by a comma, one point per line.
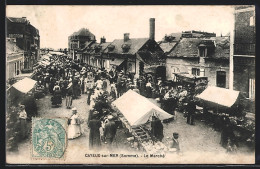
x=135, y=111
x=17, y=91
x=189, y=85
x=220, y=102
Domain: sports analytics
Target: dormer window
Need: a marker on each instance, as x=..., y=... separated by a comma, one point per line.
x=111, y=48
x=97, y=49
x=206, y=47
x=126, y=47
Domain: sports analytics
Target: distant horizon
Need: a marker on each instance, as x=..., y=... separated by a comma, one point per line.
x=55, y=23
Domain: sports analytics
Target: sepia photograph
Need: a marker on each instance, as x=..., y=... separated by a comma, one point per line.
x=130, y=84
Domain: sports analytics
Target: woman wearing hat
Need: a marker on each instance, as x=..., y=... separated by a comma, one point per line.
x=74, y=128
x=56, y=99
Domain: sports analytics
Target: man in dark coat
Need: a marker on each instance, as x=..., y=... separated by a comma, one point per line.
x=30, y=105
x=110, y=131
x=157, y=129
x=94, y=135
x=191, y=108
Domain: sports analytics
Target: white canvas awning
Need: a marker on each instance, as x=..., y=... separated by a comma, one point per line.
x=221, y=96
x=44, y=62
x=47, y=57
x=24, y=85
x=116, y=62
x=138, y=109
x=57, y=53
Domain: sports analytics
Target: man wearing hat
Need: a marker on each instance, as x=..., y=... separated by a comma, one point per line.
x=110, y=130
x=174, y=144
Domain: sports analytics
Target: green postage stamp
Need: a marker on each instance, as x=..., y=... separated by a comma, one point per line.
x=49, y=139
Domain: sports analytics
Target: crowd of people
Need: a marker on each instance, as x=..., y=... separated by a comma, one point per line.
x=67, y=79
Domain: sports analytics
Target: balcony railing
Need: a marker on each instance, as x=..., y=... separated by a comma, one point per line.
x=244, y=49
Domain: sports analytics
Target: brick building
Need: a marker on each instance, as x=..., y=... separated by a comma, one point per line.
x=27, y=39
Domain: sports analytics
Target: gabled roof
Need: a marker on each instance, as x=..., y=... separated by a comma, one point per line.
x=167, y=46
x=12, y=48
x=90, y=48
x=102, y=46
x=222, y=49
x=87, y=45
x=187, y=47
x=17, y=20
x=135, y=45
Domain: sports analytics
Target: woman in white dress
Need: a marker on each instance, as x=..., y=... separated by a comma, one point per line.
x=74, y=128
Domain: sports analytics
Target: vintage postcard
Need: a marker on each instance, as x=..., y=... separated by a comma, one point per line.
x=130, y=84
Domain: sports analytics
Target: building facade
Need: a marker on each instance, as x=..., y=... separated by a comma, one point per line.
x=242, y=58
x=244, y=50
x=135, y=55
x=14, y=59
x=201, y=57
x=27, y=38
x=78, y=41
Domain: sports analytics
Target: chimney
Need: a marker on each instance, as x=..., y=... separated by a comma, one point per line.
x=126, y=37
x=103, y=40
x=152, y=28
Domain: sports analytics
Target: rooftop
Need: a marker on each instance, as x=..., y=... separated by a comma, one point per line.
x=18, y=20
x=12, y=48
x=83, y=32
x=188, y=47
x=135, y=44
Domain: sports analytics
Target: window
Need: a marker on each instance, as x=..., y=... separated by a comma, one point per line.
x=15, y=68
x=221, y=79
x=203, y=52
x=202, y=72
x=103, y=64
x=252, y=21
x=174, y=70
x=108, y=64
x=251, y=88
x=195, y=71
x=130, y=67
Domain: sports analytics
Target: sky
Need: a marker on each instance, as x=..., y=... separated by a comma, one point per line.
x=56, y=22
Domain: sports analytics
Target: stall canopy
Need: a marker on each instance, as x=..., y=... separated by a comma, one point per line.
x=138, y=109
x=45, y=57
x=24, y=85
x=221, y=96
x=57, y=53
